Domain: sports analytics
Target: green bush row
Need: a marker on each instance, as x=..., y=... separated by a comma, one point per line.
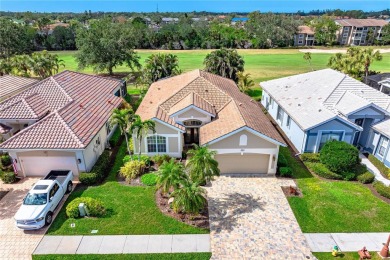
x=282, y=161
x=88, y=178
x=149, y=179
x=321, y=170
x=382, y=189
x=115, y=138
x=8, y=177
x=98, y=172
x=366, y=177
x=95, y=207
x=380, y=165
x=310, y=157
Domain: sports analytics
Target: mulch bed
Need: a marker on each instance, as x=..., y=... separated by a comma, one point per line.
x=3, y=193
x=292, y=191
x=200, y=221
x=376, y=194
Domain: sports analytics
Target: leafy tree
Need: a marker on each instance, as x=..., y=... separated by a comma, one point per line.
x=202, y=166
x=123, y=118
x=224, y=62
x=189, y=198
x=160, y=65
x=21, y=65
x=385, y=34
x=104, y=46
x=307, y=57
x=63, y=38
x=245, y=82
x=45, y=64
x=170, y=174
x=14, y=39
x=325, y=30
x=140, y=129
x=5, y=67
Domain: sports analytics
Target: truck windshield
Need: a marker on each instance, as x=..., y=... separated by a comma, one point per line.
x=35, y=199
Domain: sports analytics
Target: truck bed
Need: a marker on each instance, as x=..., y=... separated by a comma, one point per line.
x=60, y=176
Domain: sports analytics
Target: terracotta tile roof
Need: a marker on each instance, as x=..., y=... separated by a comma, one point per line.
x=83, y=102
x=163, y=116
x=361, y=22
x=305, y=29
x=10, y=85
x=221, y=93
x=192, y=99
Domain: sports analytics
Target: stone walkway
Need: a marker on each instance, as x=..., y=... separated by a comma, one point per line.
x=347, y=242
x=250, y=218
x=131, y=244
x=374, y=170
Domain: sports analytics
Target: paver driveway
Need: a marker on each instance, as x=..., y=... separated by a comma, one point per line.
x=250, y=218
x=16, y=243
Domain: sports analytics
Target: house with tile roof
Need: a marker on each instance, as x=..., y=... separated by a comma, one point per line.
x=304, y=36
x=201, y=108
x=315, y=107
x=60, y=122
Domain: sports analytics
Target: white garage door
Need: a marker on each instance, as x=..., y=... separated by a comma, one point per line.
x=40, y=166
x=247, y=163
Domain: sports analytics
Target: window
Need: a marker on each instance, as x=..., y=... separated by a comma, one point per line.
x=280, y=115
x=328, y=136
x=192, y=123
x=267, y=103
x=301, y=36
x=243, y=140
x=382, y=146
x=157, y=144
x=108, y=128
x=53, y=190
x=271, y=102
x=288, y=121
x=300, y=42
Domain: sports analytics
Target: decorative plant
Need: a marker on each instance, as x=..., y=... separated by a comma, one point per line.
x=202, y=166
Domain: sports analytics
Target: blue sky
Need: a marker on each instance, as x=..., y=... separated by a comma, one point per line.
x=188, y=6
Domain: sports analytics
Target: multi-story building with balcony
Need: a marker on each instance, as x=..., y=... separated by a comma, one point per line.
x=304, y=37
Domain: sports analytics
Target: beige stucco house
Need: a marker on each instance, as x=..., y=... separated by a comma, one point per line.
x=202, y=108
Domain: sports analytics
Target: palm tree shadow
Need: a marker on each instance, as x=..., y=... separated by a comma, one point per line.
x=224, y=212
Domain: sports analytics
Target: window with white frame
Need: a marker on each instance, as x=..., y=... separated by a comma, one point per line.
x=280, y=114
x=157, y=144
x=288, y=123
x=327, y=136
x=382, y=146
x=271, y=101
x=243, y=140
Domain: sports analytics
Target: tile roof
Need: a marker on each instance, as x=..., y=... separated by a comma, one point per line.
x=4, y=128
x=361, y=22
x=10, y=85
x=383, y=127
x=192, y=99
x=305, y=29
x=210, y=92
x=315, y=97
x=79, y=103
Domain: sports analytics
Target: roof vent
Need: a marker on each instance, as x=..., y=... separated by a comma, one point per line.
x=206, y=90
x=151, y=102
x=109, y=102
x=319, y=110
x=81, y=106
x=159, y=88
x=240, y=104
x=299, y=104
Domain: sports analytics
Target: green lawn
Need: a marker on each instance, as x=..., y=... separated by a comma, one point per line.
x=177, y=256
x=344, y=256
x=131, y=211
x=335, y=206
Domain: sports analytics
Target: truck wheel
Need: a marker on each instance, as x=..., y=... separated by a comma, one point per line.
x=69, y=187
x=49, y=218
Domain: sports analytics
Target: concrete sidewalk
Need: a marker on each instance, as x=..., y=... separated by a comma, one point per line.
x=374, y=170
x=131, y=244
x=347, y=242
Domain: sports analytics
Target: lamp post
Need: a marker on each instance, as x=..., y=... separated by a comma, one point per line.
x=385, y=250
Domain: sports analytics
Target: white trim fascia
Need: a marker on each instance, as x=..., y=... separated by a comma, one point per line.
x=249, y=130
x=166, y=124
x=268, y=151
x=367, y=106
x=189, y=108
x=16, y=150
x=336, y=117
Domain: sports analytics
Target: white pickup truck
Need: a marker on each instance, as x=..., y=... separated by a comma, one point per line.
x=41, y=201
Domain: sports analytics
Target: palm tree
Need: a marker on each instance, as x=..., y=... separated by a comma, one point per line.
x=5, y=67
x=169, y=175
x=368, y=56
x=307, y=57
x=140, y=129
x=244, y=82
x=160, y=65
x=224, y=62
x=45, y=64
x=189, y=198
x=202, y=166
x=122, y=118
x=22, y=64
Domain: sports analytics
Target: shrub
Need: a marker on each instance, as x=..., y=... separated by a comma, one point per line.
x=382, y=189
x=339, y=156
x=380, y=165
x=149, y=179
x=8, y=177
x=160, y=158
x=88, y=178
x=310, y=157
x=321, y=170
x=144, y=158
x=95, y=207
x=116, y=136
x=285, y=171
x=366, y=177
x=6, y=160
x=282, y=162
x=132, y=169
x=102, y=165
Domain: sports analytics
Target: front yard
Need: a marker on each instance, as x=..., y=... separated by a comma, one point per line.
x=335, y=206
x=131, y=210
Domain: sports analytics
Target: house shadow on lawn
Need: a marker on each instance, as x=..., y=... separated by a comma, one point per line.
x=224, y=212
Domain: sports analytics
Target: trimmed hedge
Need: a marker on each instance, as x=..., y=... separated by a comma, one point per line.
x=382, y=189
x=323, y=171
x=149, y=179
x=115, y=138
x=101, y=166
x=282, y=162
x=95, y=207
x=8, y=177
x=6, y=160
x=285, y=171
x=310, y=157
x=88, y=178
x=366, y=177
x=132, y=170
x=339, y=157
x=380, y=165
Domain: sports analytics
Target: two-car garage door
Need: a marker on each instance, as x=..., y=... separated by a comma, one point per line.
x=247, y=163
x=41, y=165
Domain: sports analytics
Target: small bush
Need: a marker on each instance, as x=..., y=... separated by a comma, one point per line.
x=116, y=136
x=366, y=177
x=149, y=179
x=6, y=160
x=380, y=165
x=310, y=157
x=321, y=170
x=95, y=207
x=144, y=158
x=382, y=189
x=132, y=170
x=88, y=178
x=159, y=159
x=8, y=177
x=339, y=156
x=348, y=176
x=285, y=171
x=282, y=162
x=102, y=165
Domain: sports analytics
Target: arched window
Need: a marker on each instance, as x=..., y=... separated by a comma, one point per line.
x=243, y=140
x=157, y=144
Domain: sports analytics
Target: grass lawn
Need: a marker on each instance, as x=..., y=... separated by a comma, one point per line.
x=131, y=211
x=335, y=206
x=344, y=256
x=177, y=256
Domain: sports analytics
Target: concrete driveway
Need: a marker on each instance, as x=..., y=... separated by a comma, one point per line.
x=250, y=218
x=16, y=243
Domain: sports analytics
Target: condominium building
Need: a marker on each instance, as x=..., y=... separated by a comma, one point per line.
x=304, y=37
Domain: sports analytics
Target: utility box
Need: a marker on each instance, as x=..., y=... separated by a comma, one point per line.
x=82, y=210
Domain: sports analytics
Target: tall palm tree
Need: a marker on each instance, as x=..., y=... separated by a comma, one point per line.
x=244, y=82
x=140, y=129
x=189, y=198
x=122, y=118
x=307, y=57
x=160, y=65
x=45, y=64
x=201, y=165
x=368, y=56
x=169, y=175
x=22, y=64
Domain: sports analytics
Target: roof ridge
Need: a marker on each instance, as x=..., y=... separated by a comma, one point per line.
x=61, y=88
x=92, y=75
x=24, y=101
x=70, y=131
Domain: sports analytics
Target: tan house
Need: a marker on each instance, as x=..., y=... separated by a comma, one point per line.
x=358, y=32
x=304, y=37
x=202, y=108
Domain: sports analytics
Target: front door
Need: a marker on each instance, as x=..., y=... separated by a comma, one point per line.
x=191, y=136
x=359, y=122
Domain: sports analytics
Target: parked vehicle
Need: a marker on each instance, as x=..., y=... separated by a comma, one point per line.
x=41, y=201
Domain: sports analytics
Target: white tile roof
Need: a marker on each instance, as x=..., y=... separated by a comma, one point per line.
x=383, y=127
